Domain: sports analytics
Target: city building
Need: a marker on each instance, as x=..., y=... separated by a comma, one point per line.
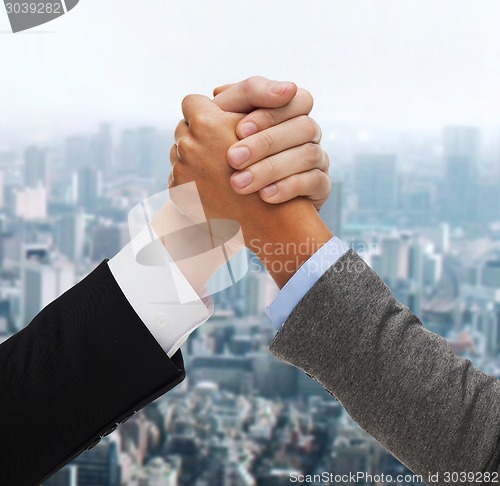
x=461, y=146
x=142, y=151
x=31, y=203
x=331, y=212
x=352, y=453
x=101, y=149
x=67, y=476
x=43, y=280
x=107, y=239
x=375, y=182
x=99, y=466
x=89, y=187
x=70, y=235
x=230, y=373
x=77, y=153
x=2, y=189
x=36, y=173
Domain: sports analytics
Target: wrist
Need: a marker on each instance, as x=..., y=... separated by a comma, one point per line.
x=192, y=246
x=285, y=236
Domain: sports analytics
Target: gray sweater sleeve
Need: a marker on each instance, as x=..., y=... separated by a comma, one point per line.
x=402, y=383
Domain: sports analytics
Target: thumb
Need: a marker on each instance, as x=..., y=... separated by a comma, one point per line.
x=221, y=89
x=255, y=92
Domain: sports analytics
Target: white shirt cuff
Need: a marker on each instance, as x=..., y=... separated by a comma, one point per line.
x=153, y=293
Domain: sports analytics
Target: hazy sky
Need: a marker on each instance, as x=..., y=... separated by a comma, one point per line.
x=410, y=63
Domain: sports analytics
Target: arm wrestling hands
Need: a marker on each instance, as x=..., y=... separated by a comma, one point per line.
x=284, y=152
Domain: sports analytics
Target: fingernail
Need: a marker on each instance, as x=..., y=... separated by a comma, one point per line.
x=247, y=129
x=270, y=191
x=242, y=179
x=279, y=88
x=239, y=155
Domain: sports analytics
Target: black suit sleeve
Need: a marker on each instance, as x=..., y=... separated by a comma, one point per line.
x=84, y=364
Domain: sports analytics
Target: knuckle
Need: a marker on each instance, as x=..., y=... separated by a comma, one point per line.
x=252, y=83
x=266, y=141
x=269, y=118
x=177, y=131
x=185, y=147
x=201, y=121
x=272, y=169
x=318, y=176
x=176, y=176
x=173, y=154
x=314, y=154
x=293, y=185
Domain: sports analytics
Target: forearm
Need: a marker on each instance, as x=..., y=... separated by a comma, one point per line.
x=194, y=244
x=85, y=363
x=400, y=382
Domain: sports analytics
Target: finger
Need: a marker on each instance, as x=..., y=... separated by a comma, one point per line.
x=198, y=107
x=291, y=133
x=280, y=166
x=326, y=163
x=173, y=161
x=313, y=184
x=221, y=89
x=256, y=92
x=174, y=156
x=181, y=130
x=263, y=118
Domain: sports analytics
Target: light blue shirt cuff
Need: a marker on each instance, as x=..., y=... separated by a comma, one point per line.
x=307, y=275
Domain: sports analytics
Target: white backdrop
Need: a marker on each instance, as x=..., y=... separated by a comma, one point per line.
x=411, y=63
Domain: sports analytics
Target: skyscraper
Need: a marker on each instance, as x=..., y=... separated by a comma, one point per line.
x=142, y=151
x=331, y=212
x=460, y=146
x=375, y=182
x=107, y=239
x=394, y=262
x=101, y=149
x=77, y=153
x=35, y=168
x=89, y=187
x=99, y=466
x=2, y=189
x=68, y=476
x=43, y=280
x=71, y=235
x=490, y=274
x=351, y=453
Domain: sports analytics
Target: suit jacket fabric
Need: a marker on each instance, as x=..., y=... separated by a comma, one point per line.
x=84, y=364
x=402, y=383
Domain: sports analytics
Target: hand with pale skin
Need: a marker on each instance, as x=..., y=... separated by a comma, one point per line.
x=279, y=153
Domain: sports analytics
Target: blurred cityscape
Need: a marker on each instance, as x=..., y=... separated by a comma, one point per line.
x=423, y=210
